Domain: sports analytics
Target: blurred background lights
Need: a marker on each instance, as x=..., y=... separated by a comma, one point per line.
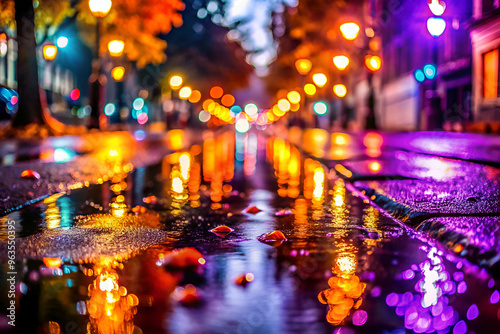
x=100, y=8
x=430, y=71
x=373, y=63
x=216, y=92
x=115, y=47
x=320, y=108
x=139, y=135
x=236, y=109
x=185, y=93
x=109, y=109
x=138, y=103
x=204, y=116
x=74, y=94
x=227, y=100
x=319, y=79
x=303, y=66
x=437, y=7
x=419, y=75
x=242, y=125
x=293, y=96
x=49, y=52
x=251, y=109
x=117, y=73
x=310, y=89
x=436, y=26
x=349, y=30
x=62, y=42
x=142, y=118
x=340, y=90
x=341, y=62
x=195, y=96
x=175, y=81
x=284, y=105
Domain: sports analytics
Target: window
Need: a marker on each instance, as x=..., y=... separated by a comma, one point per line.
x=490, y=74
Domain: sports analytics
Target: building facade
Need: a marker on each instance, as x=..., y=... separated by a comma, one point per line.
x=485, y=36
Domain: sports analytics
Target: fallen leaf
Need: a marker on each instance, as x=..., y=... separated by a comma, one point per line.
x=222, y=230
x=182, y=258
x=30, y=174
x=253, y=210
x=274, y=238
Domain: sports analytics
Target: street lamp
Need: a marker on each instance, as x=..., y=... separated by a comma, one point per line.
x=98, y=8
x=49, y=52
x=340, y=90
x=115, y=47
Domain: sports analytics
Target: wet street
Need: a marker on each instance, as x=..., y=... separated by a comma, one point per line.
x=193, y=245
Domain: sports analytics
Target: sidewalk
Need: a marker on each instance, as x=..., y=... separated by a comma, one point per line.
x=71, y=162
x=445, y=185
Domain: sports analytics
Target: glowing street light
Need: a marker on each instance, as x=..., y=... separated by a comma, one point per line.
x=115, y=47
x=320, y=108
x=303, y=66
x=340, y=90
x=373, y=63
x=49, y=52
x=341, y=62
x=100, y=8
x=310, y=89
x=284, y=105
x=436, y=26
x=349, y=30
x=320, y=79
x=175, y=81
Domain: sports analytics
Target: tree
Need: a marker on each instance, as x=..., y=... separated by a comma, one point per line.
x=202, y=53
x=136, y=22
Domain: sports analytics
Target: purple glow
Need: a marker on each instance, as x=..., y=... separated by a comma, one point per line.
x=495, y=297
x=392, y=299
x=472, y=312
x=411, y=317
x=491, y=283
x=438, y=308
x=401, y=310
x=293, y=253
x=462, y=287
x=423, y=323
x=439, y=324
x=447, y=313
x=460, y=328
x=359, y=317
x=414, y=267
x=449, y=287
x=459, y=265
x=405, y=299
x=376, y=291
x=458, y=276
x=408, y=274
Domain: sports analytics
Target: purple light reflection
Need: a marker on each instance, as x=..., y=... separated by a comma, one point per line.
x=495, y=297
x=392, y=299
x=460, y=328
x=462, y=287
x=359, y=317
x=472, y=312
x=409, y=274
x=376, y=291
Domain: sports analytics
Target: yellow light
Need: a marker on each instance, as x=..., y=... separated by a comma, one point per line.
x=293, y=97
x=185, y=93
x=118, y=72
x=310, y=89
x=349, y=30
x=339, y=138
x=216, y=92
x=341, y=62
x=340, y=90
x=227, y=100
x=49, y=52
x=373, y=63
x=177, y=185
x=277, y=111
x=303, y=66
x=320, y=79
x=100, y=8
x=207, y=104
x=284, y=105
x=115, y=47
x=185, y=164
x=374, y=166
x=176, y=81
